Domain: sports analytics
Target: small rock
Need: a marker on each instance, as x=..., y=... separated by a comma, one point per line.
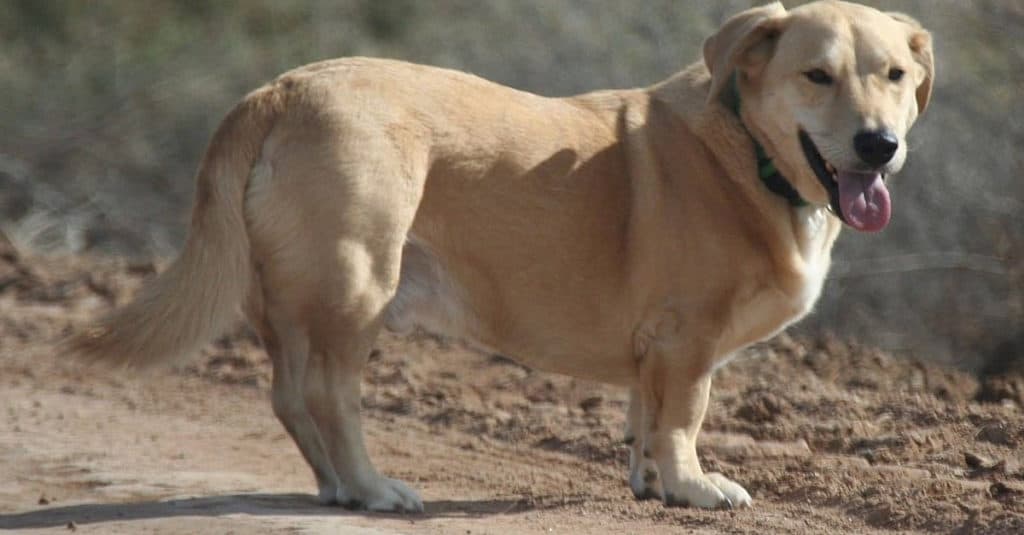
x=71, y=526
x=43, y=500
x=591, y=403
x=975, y=460
x=983, y=465
x=997, y=434
x=1000, y=489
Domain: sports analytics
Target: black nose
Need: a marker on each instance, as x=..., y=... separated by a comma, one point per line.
x=876, y=148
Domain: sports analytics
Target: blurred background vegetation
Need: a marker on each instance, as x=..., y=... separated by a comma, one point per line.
x=106, y=106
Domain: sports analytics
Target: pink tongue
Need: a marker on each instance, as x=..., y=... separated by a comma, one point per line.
x=864, y=200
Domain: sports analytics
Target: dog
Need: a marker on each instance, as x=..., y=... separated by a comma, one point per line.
x=638, y=237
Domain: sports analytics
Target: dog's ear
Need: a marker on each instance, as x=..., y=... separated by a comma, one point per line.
x=745, y=42
x=920, y=42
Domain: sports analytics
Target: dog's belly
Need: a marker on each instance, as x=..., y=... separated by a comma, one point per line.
x=427, y=298
x=431, y=299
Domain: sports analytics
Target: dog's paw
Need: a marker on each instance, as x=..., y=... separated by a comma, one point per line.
x=737, y=495
x=384, y=495
x=645, y=481
x=710, y=491
x=328, y=494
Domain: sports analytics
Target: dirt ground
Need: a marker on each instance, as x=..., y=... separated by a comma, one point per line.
x=826, y=436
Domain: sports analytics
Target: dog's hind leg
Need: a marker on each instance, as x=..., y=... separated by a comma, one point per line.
x=288, y=349
x=328, y=214
x=343, y=330
x=324, y=307
x=324, y=304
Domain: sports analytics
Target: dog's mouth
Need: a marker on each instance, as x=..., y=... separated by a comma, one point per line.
x=859, y=199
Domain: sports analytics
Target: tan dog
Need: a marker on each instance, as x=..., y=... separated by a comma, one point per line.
x=620, y=236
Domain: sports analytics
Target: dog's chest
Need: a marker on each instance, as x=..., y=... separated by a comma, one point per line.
x=761, y=310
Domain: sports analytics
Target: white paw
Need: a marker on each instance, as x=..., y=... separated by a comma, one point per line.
x=694, y=492
x=709, y=491
x=737, y=495
x=384, y=495
x=644, y=479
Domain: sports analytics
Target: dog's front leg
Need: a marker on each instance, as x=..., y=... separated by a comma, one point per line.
x=643, y=471
x=673, y=397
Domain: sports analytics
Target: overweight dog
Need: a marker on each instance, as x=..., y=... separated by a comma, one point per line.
x=639, y=237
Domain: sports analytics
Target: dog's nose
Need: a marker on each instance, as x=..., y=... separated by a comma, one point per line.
x=877, y=147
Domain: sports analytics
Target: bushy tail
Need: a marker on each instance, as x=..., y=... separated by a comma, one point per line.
x=196, y=298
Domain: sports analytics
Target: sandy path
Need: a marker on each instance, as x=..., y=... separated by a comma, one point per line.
x=182, y=454
x=827, y=437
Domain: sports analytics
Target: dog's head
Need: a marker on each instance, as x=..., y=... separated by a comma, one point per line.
x=830, y=89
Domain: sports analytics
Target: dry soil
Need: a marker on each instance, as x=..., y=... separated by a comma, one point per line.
x=827, y=437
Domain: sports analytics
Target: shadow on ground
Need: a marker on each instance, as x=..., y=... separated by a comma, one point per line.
x=247, y=504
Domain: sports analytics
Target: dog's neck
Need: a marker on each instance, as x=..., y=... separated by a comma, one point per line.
x=766, y=170
x=813, y=234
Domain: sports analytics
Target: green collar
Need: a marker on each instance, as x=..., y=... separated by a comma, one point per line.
x=770, y=176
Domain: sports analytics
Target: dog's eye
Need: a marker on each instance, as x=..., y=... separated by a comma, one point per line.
x=819, y=77
x=895, y=74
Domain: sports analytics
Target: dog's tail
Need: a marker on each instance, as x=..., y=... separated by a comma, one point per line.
x=197, y=297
